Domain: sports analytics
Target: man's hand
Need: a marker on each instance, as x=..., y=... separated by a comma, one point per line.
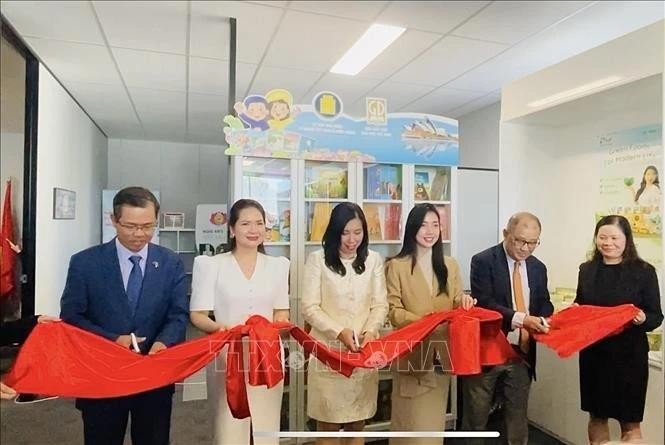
x=126, y=340
x=346, y=337
x=156, y=347
x=47, y=319
x=6, y=393
x=534, y=325
x=367, y=337
x=468, y=302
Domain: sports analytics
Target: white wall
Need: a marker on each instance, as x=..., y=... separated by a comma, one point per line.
x=71, y=154
x=554, y=171
x=479, y=137
x=185, y=174
x=477, y=195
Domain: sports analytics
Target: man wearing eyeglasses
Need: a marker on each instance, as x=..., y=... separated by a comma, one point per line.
x=134, y=293
x=507, y=278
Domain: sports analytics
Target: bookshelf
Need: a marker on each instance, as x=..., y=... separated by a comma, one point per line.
x=309, y=190
x=181, y=241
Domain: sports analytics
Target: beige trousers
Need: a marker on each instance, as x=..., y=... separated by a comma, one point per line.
x=419, y=405
x=264, y=405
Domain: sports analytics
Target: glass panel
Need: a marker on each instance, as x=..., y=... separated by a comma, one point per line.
x=284, y=418
x=268, y=181
x=432, y=183
x=382, y=181
x=384, y=221
x=326, y=180
x=12, y=123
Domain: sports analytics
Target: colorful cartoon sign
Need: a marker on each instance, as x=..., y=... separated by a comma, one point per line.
x=211, y=228
x=271, y=126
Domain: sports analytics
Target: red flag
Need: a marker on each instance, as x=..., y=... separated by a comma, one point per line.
x=7, y=254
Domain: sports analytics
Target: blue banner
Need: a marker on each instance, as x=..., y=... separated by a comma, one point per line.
x=270, y=126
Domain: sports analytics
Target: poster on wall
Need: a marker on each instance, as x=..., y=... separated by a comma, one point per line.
x=108, y=231
x=211, y=228
x=630, y=186
x=271, y=125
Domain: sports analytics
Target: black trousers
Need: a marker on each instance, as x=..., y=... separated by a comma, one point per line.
x=105, y=420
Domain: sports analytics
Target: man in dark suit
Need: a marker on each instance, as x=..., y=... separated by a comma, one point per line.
x=508, y=279
x=128, y=288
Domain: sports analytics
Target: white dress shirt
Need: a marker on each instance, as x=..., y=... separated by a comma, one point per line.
x=126, y=265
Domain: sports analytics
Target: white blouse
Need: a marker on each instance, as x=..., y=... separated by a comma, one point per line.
x=218, y=284
x=650, y=196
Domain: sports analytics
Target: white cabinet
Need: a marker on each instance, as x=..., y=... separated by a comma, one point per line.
x=299, y=195
x=182, y=242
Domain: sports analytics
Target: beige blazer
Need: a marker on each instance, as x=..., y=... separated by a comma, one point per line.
x=331, y=302
x=410, y=298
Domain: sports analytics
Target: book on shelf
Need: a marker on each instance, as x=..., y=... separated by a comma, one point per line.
x=383, y=182
x=431, y=184
x=382, y=221
x=372, y=215
x=422, y=186
x=444, y=221
x=326, y=181
x=393, y=216
x=439, y=188
x=320, y=218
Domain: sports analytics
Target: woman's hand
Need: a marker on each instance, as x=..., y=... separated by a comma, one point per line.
x=346, y=337
x=639, y=318
x=467, y=302
x=367, y=337
x=47, y=319
x=6, y=393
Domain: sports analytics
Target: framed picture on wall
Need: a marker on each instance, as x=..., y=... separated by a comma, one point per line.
x=174, y=220
x=64, y=203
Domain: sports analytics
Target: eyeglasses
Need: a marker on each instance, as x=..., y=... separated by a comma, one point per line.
x=133, y=228
x=520, y=243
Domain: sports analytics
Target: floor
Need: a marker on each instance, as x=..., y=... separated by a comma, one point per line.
x=57, y=422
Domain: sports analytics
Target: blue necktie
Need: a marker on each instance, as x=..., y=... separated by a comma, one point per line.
x=134, y=283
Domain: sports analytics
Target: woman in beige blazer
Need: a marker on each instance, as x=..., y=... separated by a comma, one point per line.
x=421, y=280
x=344, y=300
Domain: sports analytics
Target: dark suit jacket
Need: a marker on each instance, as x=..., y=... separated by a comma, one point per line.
x=94, y=298
x=490, y=285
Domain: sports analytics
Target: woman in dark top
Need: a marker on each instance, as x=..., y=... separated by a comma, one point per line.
x=614, y=371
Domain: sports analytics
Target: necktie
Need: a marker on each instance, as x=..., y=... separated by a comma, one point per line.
x=520, y=306
x=134, y=283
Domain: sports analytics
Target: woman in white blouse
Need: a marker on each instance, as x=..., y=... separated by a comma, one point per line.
x=235, y=285
x=648, y=194
x=344, y=300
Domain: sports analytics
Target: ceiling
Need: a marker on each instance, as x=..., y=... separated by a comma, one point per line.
x=158, y=70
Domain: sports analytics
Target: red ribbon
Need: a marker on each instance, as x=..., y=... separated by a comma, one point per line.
x=63, y=360
x=577, y=327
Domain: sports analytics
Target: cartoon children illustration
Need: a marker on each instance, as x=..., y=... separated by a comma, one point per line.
x=280, y=107
x=253, y=111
